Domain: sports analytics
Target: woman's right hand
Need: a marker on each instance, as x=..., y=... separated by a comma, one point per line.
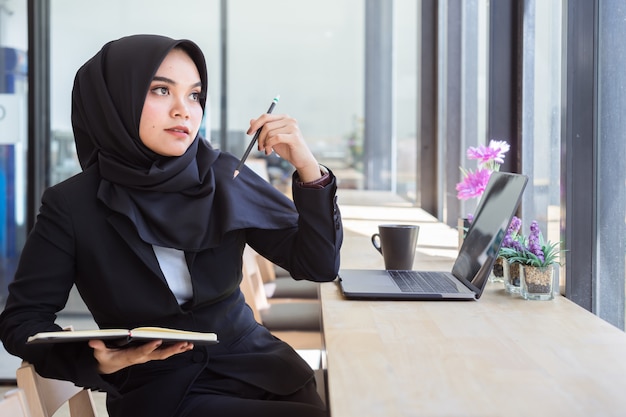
x=113, y=360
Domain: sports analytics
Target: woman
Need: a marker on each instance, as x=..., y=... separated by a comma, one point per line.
x=152, y=233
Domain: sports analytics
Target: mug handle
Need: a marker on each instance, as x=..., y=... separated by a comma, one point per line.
x=376, y=242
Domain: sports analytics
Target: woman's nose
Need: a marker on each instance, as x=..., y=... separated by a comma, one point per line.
x=180, y=108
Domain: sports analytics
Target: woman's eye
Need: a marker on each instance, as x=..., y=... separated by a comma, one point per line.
x=195, y=96
x=160, y=90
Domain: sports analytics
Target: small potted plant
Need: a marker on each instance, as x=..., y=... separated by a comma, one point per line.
x=536, y=259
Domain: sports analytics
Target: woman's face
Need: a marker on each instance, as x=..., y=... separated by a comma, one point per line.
x=171, y=114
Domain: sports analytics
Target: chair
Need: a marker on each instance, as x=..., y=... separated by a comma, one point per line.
x=45, y=395
x=14, y=404
x=298, y=323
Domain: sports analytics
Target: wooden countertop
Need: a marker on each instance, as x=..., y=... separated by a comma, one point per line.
x=498, y=356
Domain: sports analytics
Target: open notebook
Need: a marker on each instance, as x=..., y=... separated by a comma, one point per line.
x=472, y=266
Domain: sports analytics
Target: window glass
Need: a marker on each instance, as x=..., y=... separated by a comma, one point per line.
x=541, y=116
x=474, y=86
x=73, y=29
x=13, y=137
x=311, y=53
x=406, y=14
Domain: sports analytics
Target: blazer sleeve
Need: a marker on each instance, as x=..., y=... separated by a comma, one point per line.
x=41, y=287
x=311, y=249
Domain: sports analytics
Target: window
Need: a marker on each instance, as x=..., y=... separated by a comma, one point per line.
x=541, y=116
x=406, y=15
x=120, y=18
x=13, y=137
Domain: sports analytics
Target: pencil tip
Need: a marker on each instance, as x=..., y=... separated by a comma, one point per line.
x=235, y=173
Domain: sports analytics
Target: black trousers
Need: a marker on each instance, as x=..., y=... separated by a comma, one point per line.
x=214, y=395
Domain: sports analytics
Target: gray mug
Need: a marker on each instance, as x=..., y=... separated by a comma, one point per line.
x=396, y=242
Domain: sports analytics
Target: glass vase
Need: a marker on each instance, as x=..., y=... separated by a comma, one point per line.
x=500, y=268
x=512, y=279
x=537, y=282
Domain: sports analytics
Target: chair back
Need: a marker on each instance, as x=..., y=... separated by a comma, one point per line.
x=14, y=404
x=252, y=283
x=45, y=395
x=254, y=292
x=266, y=267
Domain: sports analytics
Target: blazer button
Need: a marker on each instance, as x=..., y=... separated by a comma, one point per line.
x=198, y=356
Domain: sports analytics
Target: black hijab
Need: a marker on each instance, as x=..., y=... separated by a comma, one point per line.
x=169, y=199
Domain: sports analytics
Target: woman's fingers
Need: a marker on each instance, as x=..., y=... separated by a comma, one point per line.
x=281, y=134
x=112, y=360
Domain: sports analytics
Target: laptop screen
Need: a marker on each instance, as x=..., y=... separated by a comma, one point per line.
x=483, y=239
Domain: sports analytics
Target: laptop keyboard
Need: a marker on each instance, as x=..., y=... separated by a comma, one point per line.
x=413, y=281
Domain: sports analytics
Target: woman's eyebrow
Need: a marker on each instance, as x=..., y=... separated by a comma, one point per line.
x=170, y=81
x=163, y=79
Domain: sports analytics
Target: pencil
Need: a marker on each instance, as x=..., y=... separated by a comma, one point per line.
x=254, y=139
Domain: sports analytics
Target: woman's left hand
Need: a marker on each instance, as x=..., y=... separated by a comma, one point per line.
x=112, y=360
x=281, y=134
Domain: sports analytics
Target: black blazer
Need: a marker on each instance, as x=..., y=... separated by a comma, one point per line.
x=78, y=240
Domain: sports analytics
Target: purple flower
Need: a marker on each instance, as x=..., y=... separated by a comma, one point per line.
x=528, y=250
x=482, y=154
x=502, y=147
x=534, y=241
x=511, y=233
x=489, y=159
x=518, y=246
x=474, y=184
x=486, y=154
x=515, y=226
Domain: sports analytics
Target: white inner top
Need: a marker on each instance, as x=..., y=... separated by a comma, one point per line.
x=174, y=267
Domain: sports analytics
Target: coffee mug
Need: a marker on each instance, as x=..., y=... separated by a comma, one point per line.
x=396, y=242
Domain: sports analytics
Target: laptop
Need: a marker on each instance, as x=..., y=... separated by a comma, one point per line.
x=472, y=266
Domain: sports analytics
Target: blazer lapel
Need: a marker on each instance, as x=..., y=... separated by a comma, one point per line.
x=142, y=249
